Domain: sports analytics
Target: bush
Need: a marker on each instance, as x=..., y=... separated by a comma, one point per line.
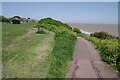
x=54, y=22
x=77, y=30
x=4, y=19
x=101, y=35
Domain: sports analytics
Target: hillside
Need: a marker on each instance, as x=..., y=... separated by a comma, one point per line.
x=27, y=54
x=62, y=52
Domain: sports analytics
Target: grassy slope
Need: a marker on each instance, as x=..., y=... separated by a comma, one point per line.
x=62, y=52
x=24, y=51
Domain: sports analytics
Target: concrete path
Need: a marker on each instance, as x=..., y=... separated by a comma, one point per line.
x=87, y=62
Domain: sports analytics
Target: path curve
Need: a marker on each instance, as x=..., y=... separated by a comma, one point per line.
x=87, y=62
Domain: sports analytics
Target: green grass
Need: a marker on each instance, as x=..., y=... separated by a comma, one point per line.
x=24, y=51
x=30, y=55
x=61, y=55
x=62, y=52
x=11, y=31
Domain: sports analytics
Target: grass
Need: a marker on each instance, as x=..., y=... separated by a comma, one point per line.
x=11, y=31
x=62, y=52
x=25, y=52
x=61, y=55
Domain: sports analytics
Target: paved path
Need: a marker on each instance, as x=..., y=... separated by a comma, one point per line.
x=87, y=62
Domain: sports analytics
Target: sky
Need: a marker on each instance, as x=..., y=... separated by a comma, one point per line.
x=59, y=0
x=75, y=12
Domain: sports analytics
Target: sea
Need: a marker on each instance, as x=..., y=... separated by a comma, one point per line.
x=88, y=27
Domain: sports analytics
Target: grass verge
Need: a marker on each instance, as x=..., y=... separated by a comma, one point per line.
x=61, y=55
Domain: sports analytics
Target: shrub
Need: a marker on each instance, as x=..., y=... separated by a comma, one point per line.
x=77, y=30
x=101, y=35
x=4, y=19
x=54, y=22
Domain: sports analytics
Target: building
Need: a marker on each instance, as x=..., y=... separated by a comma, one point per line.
x=23, y=20
x=16, y=21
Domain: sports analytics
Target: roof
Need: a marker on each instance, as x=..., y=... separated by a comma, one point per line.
x=16, y=19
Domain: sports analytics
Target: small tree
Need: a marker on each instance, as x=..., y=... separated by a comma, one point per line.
x=77, y=30
x=102, y=35
x=4, y=19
